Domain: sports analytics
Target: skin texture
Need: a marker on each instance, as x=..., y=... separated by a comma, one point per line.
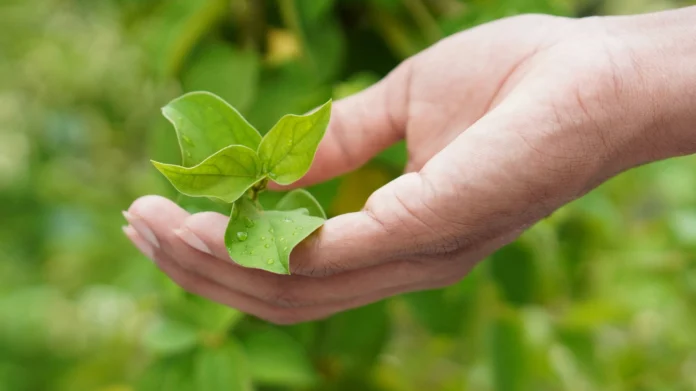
x=504, y=124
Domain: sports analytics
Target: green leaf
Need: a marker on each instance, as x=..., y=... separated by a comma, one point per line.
x=222, y=369
x=205, y=124
x=169, y=337
x=168, y=374
x=264, y=239
x=508, y=353
x=278, y=360
x=226, y=175
x=289, y=147
x=301, y=199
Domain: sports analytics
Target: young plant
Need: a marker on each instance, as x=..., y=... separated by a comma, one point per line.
x=225, y=159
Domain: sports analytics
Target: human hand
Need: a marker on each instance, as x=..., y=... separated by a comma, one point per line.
x=504, y=124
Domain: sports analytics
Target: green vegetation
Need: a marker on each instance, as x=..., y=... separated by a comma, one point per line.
x=599, y=296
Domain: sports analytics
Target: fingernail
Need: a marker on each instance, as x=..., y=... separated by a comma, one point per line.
x=141, y=227
x=138, y=241
x=192, y=240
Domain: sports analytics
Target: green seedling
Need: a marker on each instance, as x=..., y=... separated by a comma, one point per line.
x=225, y=159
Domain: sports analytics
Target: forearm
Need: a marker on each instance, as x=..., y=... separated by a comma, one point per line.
x=663, y=52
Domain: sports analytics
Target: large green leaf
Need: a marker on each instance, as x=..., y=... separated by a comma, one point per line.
x=226, y=175
x=222, y=369
x=289, y=147
x=278, y=360
x=205, y=124
x=264, y=239
x=301, y=199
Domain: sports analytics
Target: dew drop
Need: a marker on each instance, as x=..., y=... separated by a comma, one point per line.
x=188, y=154
x=270, y=230
x=251, y=252
x=248, y=223
x=282, y=239
x=242, y=236
x=272, y=239
x=272, y=175
x=285, y=248
x=263, y=238
x=267, y=245
x=294, y=233
x=270, y=261
x=287, y=220
x=187, y=140
x=300, y=228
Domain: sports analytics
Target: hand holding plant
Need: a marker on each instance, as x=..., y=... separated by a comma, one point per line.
x=504, y=123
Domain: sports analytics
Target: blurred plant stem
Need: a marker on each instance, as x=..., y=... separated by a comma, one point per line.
x=424, y=19
x=394, y=33
x=250, y=14
x=291, y=18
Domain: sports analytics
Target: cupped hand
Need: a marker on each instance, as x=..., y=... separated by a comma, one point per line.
x=504, y=123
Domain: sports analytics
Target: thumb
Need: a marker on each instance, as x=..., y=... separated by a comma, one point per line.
x=361, y=126
x=388, y=229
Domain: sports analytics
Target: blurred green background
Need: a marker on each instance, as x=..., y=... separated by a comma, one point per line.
x=600, y=296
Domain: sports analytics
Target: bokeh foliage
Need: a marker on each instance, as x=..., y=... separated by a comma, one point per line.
x=599, y=296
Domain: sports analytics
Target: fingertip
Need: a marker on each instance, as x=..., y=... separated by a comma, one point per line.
x=209, y=228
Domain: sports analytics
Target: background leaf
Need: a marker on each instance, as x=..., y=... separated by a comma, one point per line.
x=264, y=239
x=222, y=368
x=276, y=359
x=288, y=149
x=169, y=337
x=205, y=124
x=225, y=175
x=228, y=72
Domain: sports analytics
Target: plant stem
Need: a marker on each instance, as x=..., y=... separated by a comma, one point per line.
x=424, y=19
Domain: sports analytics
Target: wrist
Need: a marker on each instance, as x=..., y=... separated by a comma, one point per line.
x=662, y=47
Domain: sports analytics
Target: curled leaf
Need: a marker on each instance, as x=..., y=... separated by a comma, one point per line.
x=264, y=239
x=226, y=175
x=301, y=199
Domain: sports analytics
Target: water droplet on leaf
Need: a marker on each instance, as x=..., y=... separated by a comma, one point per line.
x=187, y=140
x=267, y=245
x=242, y=236
x=287, y=220
x=285, y=248
x=188, y=154
x=270, y=230
x=263, y=238
x=270, y=261
x=282, y=239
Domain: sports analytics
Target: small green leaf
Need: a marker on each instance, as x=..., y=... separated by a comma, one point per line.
x=264, y=240
x=169, y=337
x=226, y=175
x=301, y=199
x=223, y=368
x=205, y=124
x=289, y=147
